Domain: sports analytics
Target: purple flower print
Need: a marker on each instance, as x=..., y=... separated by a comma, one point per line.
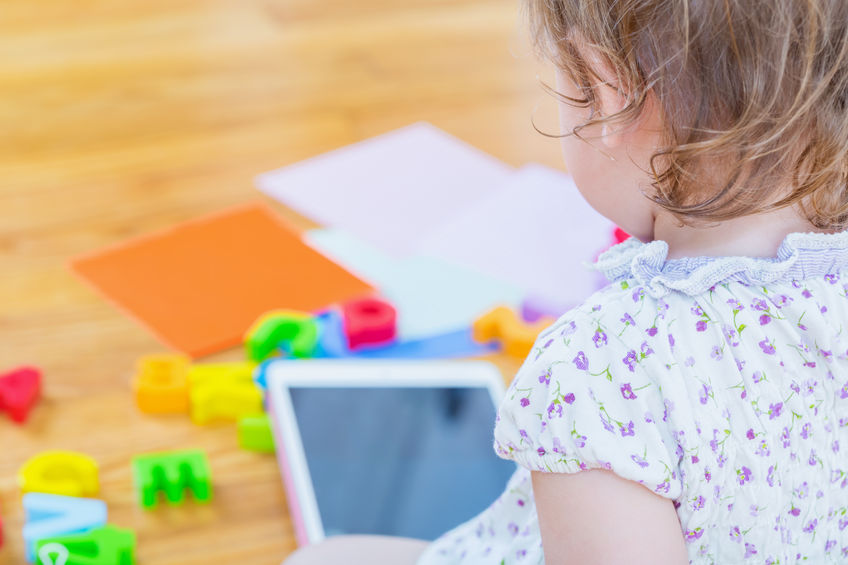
x=581, y=362
x=795, y=511
x=607, y=426
x=630, y=360
x=806, y=430
x=697, y=311
x=695, y=459
x=664, y=486
x=829, y=545
x=579, y=440
x=692, y=535
x=774, y=410
x=626, y=430
x=545, y=378
x=698, y=503
x=671, y=341
x=767, y=347
x=782, y=300
x=770, y=476
x=638, y=294
x=844, y=392
x=765, y=319
x=627, y=320
x=716, y=353
x=525, y=402
x=701, y=325
x=548, y=343
x=705, y=394
x=831, y=278
x=813, y=460
x=802, y=491
x=743, y=474
x=736, y=305
x=795, y=387
x=722, y=459
x=759, y=304
x=757, y=376
x=646, y=349
x=736, y=535
x=750, y=550
x=521, y=554
x=600, y=338
x=763, y=449
x=639, y=461
x=569, y=329
x=649, y=418
x=652, y=331
x=810, y=385
x=811, y=526
x=568, y=398
x=806, y=293
x=669, y=408
x=627, y=392
x=750, y=433
x=707, y=475
x=689, y=361
x=512, y=528
x=554, y=407
x=541, y=451
x=835, y=446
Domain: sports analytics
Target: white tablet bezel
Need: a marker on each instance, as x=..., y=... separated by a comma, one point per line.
x=283, y=374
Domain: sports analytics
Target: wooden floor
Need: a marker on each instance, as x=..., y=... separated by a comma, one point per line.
x=118, y=118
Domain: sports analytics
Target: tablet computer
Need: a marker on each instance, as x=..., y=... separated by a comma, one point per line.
x=400, y=448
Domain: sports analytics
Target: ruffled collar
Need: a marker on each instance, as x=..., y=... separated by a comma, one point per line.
x=800, y=256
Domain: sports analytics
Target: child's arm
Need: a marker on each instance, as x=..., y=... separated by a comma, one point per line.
x=596, y=517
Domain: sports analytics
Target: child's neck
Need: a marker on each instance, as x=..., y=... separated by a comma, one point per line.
x=754, y=236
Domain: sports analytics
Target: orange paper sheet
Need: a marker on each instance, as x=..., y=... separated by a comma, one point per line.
x=200, y=285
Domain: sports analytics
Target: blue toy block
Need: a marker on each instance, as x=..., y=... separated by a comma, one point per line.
x=51, y=515
x=332, y=341
x=454, y=344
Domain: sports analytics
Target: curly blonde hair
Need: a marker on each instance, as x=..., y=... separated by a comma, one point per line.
x=753, y=95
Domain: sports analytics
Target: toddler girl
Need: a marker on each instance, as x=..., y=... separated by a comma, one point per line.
x=696, y=409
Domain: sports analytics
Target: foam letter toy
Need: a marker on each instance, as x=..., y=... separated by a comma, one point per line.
x=332, y=340
x=223, y=392
x=369, y=321
x=19, y=390
x=60, y=472
x=516, y=336
x=296, y=333
x=172, y=473
x=255, y=434
x=50, y=515
x=101, y=546
x=161, y=384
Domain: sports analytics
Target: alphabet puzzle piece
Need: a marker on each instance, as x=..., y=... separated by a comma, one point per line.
x=107, y=545
x=296, y=333
x=223, y=392
x=50, y=515
x=172, y=473
x=161, y=384
x=60, y=472
x=255, y=434
x=369, y=321
x=19, y=391
x=503, y=324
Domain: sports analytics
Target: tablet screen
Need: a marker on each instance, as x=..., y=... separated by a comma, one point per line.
x=403, y=461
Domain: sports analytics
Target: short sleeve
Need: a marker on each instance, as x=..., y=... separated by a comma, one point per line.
x=585, y=399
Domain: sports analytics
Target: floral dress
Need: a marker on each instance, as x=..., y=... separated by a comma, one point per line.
x=720, y=383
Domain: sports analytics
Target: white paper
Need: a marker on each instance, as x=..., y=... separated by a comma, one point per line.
x=535, y=232
x=391, y=189
x=431, y=296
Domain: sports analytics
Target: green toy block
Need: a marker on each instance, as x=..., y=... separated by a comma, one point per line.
x=254, y=434
x=106, y=545
x=172, y=473
x=296, y=332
